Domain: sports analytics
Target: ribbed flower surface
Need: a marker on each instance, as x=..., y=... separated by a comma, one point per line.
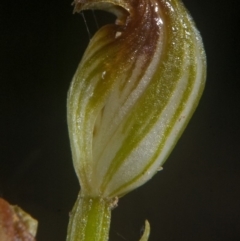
x=133, y=93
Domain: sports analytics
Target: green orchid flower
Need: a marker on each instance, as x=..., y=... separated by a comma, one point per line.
x=133, y=94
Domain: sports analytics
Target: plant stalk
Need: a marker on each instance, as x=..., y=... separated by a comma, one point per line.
x=89, y=219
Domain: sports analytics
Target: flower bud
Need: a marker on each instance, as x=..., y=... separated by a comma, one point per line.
x=133, y=93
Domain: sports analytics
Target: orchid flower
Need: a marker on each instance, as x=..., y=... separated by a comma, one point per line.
x=131, y=97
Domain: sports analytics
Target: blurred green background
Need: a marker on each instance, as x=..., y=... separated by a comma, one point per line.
x=195, y=197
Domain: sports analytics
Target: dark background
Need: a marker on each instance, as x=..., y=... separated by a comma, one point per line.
x=196, y=196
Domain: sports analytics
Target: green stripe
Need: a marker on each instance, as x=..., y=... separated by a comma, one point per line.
x=148, y=116
x=133, y=138
x=166, y=134
x=185, y=97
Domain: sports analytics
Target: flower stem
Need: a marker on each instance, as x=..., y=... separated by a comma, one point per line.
x=89, y=219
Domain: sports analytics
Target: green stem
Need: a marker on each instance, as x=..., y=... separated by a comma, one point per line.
x=89, y=219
